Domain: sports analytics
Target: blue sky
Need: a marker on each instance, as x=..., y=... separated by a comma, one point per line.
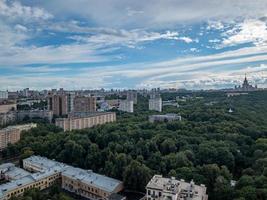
x=86, y=44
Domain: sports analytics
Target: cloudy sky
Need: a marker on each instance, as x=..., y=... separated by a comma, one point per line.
x=85, y=44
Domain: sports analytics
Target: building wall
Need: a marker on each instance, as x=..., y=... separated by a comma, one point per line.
x=3, y=95
x=70, y=123
x=11, y=135
x=84, y=104
x=7, y=118
x=155, y=104
x=126, y=106
x=4, y=108
x=43, y=114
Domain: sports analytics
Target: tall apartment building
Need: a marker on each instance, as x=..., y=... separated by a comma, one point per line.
x=155, y=104
x=160, y=188
x=126, y=106
x=132, y=96
x=61, y=104
x=40, y=172
x=85, y=120
x=11, y=134
x=84, y=104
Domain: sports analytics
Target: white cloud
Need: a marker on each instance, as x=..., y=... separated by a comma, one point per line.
x=15, y=10
x=249, y=31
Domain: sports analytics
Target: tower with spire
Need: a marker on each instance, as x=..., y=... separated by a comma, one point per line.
x=246, y=86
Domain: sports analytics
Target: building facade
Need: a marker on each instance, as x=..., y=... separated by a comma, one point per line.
x=126, y=106
x=160, y=188
x=3, y=95
x=132, y=96
x=85, y=120
x=31, y=114
x=155, y=104
x=165, y=118
x=40, y=172
x=84, y=104
x=11, y=134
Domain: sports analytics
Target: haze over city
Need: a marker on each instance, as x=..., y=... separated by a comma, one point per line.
x=80, y=44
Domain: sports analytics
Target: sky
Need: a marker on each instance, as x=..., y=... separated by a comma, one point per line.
x=92, y=44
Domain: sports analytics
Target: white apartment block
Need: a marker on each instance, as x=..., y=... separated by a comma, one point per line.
x=155, y=104
x=160, y=188
x=126, y=106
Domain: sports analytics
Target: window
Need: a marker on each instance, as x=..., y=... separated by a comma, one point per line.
x=149, y=192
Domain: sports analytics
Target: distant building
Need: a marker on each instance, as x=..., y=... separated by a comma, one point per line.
x=85, y=120
x=84, y=104
x=3, y=95
x=40, y=172
x=113, y=103
x=165, y=118
x=126, y=106
x=11, y=134
x=160, y=188
x=132, y=96
x=8, y=118
x=7, y=107
x=246, y=86
x=61, y=104
x=155, y=104
x=31, y=114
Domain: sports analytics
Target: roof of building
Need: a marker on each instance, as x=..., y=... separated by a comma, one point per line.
x=89, y=177
x=78, y=115
x=172, y=185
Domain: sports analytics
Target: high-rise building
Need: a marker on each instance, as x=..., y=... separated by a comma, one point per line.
x=155, y=104
x=84, y=104
x=61, y=104
x=160, y=188
x=126, y=106
x=246, y=86
x=132, y=96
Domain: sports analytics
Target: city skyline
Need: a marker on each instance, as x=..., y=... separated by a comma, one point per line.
x=86, y=44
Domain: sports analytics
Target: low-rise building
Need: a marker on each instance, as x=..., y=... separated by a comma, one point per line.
x=160, y=188
x=126, y=106
x=3, y=95
x=8, y=118
x=165, y=118
x=31, y=114
x=88, y=184
x=85, y=120
x=11, y=134
x=7, y=107
x=40, y=172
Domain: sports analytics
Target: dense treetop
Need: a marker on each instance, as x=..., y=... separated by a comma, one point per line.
x=210, y=145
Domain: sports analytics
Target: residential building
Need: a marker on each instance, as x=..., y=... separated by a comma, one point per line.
x=165, y=118
x=11, y=134
x=126, y=106
x=8, y=118
x=3, y=95
x=155, y=104
x=61, y=104
x=160, y=188
x=88, y=184
x=84, y=104
x=40, y=172
x=31, y=114
x=85, y=120
x=7, y=106
x=132, y=96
